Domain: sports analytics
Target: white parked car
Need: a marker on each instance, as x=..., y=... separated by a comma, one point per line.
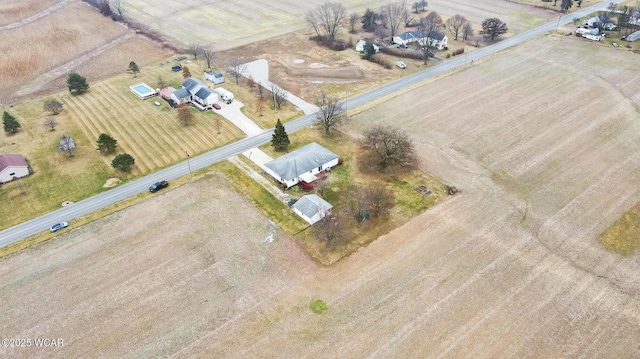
x=401, y=64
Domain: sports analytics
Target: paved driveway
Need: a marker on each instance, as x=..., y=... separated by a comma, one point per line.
x=259, y=71
x=232, y=113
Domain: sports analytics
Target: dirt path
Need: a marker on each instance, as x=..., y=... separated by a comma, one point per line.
x=42, y=80
x=35, y=17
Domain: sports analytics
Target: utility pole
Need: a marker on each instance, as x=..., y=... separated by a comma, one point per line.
x=189, y=164
x=558, y=24
x=465, y=56
x=346, y=103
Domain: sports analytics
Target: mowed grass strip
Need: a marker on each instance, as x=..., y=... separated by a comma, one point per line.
x=149, y=133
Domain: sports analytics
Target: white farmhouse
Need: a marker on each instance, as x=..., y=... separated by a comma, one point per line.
x=301, y=165
x=12, y=166
x=196, y=92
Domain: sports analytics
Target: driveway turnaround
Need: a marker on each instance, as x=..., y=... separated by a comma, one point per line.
x=259, y=71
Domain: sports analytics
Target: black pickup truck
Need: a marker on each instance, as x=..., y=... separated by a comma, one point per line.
x=158, y=186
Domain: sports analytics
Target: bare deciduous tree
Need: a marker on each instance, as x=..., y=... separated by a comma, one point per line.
x=353, y=20
x=186, y=73
x=251, y=83
x=161, y=83
x=395, y=13
x=185, y=116
x=467, y=31
x=387, y=148
x=50, y=123
x=104, y=7
x=477, y=39
x=260, y=106
x=53, y=106
x=236, y=68
x=279, y=96
x=377, y=199
x=416, y=6
x=330, y=230
x=381, y=32
x=431, y=22
x=118, y=6
x=330, y=112
x=195, y=50
x=326, y=18
x=423, y=4
x=209, y=53
x=455, y=25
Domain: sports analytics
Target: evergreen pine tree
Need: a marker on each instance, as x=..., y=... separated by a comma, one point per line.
x=11, y=125
x=77, y=84
x=133, y=69
x=280, y=139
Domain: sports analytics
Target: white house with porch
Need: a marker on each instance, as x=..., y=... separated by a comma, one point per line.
x=301, y=165
x=433, y=38
x=312, y=208
x=196, y=92
x=12, y=166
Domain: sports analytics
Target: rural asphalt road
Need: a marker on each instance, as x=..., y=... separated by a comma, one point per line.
x=104, y=199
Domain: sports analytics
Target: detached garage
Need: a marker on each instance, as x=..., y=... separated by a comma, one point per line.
x=12, y=166
x=312, y=208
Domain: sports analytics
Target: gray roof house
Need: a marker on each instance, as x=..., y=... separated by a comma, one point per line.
x=437, y=40
x=312, y=208
x=301, y=165
x=196, y=92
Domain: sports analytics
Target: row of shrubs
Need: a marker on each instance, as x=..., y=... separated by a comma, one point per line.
x=336, y=45
x=455, y=53
x=398, y=52
x=380, y=60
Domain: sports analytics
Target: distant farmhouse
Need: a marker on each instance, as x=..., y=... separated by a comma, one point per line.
x=312, y=208
x=12, y=166
x=433, y=38
x=360, y=46
x=302, y=165
x=194, y=92
x=215, y=77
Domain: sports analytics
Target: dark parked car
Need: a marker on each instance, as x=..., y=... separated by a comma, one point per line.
x=216, y=106
x=176, y=68
x=58, y=226
x=158, y=186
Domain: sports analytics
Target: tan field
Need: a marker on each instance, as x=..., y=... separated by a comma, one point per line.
x=43, y=41
x=543, y=142
x=232, y=24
